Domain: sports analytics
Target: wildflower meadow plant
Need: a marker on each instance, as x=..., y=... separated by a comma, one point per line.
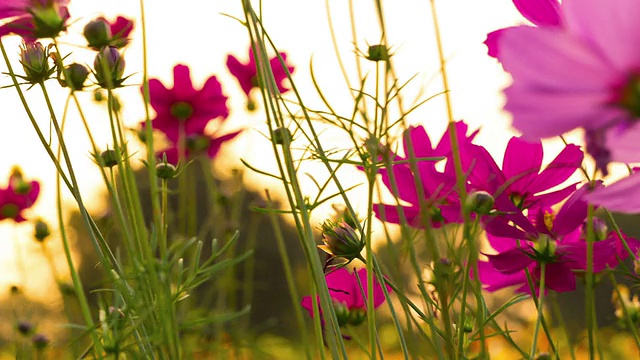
x=437, y=251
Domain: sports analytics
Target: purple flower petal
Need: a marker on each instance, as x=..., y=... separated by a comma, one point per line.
x=622, y=196
x=558, y=277
x=511, y=261
x=540, y=12
x=559, y=170
x=521, y=164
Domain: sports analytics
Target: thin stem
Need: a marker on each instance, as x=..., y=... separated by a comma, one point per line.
x=534, y=344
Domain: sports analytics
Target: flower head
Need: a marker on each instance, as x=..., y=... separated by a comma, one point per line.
x=184, y=109
x=18, y=196
x=341, y=240
x=34, y=19
x=438, y=188
x=349, y=294
x=35, y=60
x=109, y=68
x=247, y=73
x=583, y=74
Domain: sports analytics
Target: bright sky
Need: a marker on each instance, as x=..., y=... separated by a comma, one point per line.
x=195, y=33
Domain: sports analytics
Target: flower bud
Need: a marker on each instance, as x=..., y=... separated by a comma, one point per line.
x=97, y=33
x=166, y=171
x=342, y=312
x=40, y=341
x=378, y=53
x=34, y=58
x=76, y=73
x=197, y=143
x=543, y=356
x=41, y=230
x=108, y=158
x=98, y=95
x=24, y=327
x=49, y=19
x=340, y=240
x=545, y=248
x=357, y=316
x=17, y=182
x=280, y=134
x=109, y=68
x=479, y=202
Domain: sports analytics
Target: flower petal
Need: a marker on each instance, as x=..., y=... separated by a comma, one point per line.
x=622, y=196
x=540, y=12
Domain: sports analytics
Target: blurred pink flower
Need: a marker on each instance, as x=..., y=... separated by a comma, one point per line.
x=183, y=109
x=33, y=19
x=348, y=292
x=246, y=73
x=18, y=196
x=438, y=188
x=584, y=74
x=543, y=13
x=197, y=144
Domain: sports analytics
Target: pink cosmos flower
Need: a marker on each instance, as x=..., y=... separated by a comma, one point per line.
x=33, y=19
x=184, y=109
x=556, y=239
x=521, y=183
x=348, y=292
x=584, y=74
x=438, y=187
x=246, y=73
x=18, y=196
x=543, y=13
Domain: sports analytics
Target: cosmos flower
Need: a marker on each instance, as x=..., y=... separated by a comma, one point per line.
x=348, y=292
x=438, y=186
x=247, y=74
x=555, y=239
x=33, y=19
x=196, y=144
x=18, y=196
x=184, y=109
x=583, y=74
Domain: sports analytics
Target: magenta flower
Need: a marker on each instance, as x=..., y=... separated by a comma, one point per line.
x=247, y=73
x=348, y=292
x=521, y=183
x=543, y=13
x=184, y=109
x=33, y=19
x=438, y=187
x=556, y=239
x=18, y=196
x=581, y=75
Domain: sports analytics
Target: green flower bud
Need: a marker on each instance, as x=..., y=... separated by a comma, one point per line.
x=479, y=202
x=34, y=58
x=40, y=341
x=340, y=240
x=357, y=316
x=109, y=68
x=97, y=33
x=166, y=171
x=41, y=230
x=378, y=53
x=342, y=312
x=77, y=74
x=109, y=158
x=280, y=134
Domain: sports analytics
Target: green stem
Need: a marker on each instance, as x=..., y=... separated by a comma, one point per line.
x=534, y=344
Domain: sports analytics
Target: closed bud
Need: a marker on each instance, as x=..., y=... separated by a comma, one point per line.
x=97, y=33
x=280, y=135
x=49, y=19
x=34, y=58
x=545, y=249
x=41, y=230
x=479, y=202
x=24, y=327
x=40, y=341
x=340, y=240
x=378, y=53
x=357, y=316
x=109, y=68
x=75, y=75
x=108, y=158
x=342, y=312
x=166, y=171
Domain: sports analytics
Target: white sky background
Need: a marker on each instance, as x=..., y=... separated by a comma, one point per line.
x=194, y=33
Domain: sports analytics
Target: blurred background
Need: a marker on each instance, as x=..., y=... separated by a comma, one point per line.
x=198, y=33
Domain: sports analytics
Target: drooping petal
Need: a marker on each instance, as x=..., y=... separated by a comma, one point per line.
x=378, y=293
x=622, y=196
x=558, y=277
x=511, y=261
x=494, y=280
